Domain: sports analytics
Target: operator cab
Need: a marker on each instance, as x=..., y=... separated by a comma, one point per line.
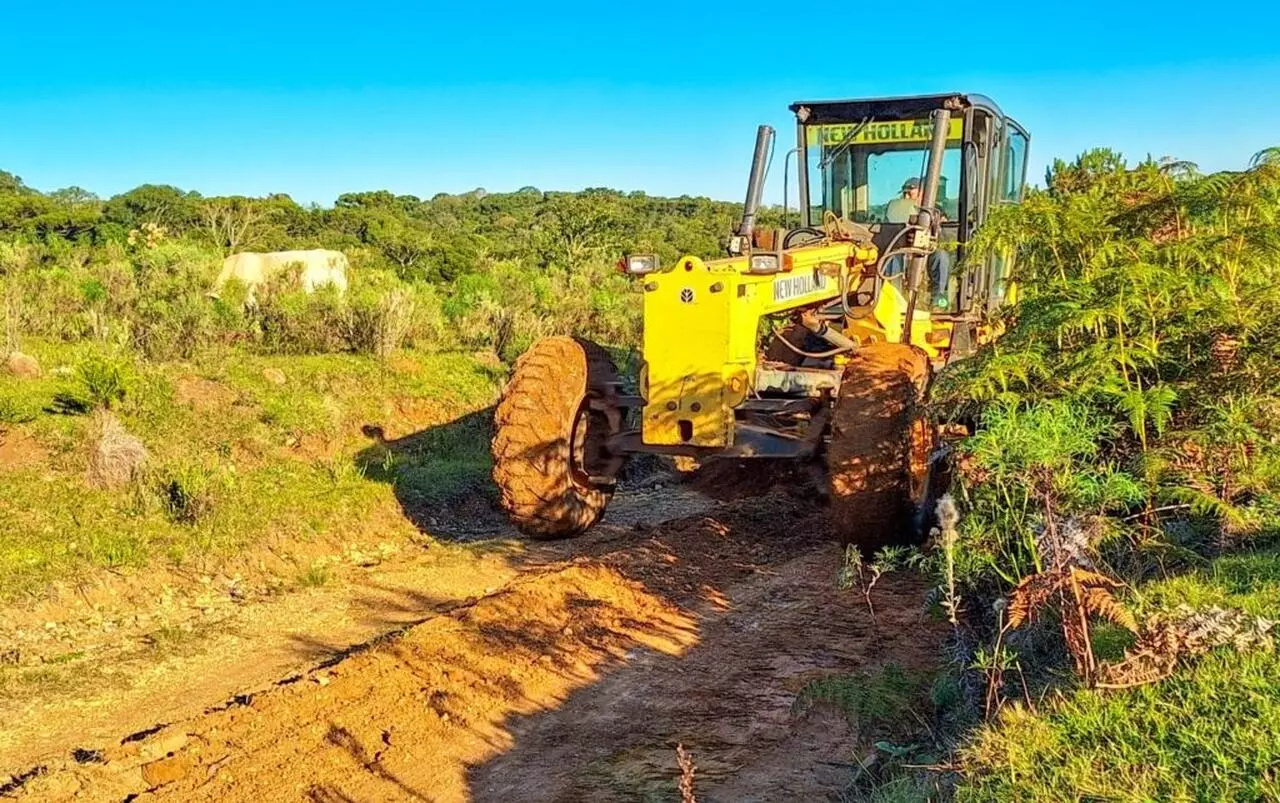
x=864, y=160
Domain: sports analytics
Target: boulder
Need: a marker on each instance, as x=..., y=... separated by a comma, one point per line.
x=23, y=365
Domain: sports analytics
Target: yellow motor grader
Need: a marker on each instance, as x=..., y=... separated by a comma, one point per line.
x=814, y=343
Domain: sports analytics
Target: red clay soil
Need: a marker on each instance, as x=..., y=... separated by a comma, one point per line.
x=574, y=682
x=19, y=450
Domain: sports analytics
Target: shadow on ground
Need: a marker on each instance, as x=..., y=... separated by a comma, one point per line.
x=760, y=582
x=441, y=475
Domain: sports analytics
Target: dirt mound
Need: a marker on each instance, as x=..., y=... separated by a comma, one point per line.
x=203, y=394
x=405, y=720
x=19, y=450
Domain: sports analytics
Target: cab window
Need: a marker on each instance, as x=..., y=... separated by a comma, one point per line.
x=1015, y=174
x=865, y=172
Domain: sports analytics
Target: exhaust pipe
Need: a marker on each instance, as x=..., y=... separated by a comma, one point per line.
x=925, y=223
x=755, y=185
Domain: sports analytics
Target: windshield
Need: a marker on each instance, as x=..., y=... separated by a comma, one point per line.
x=874, y=172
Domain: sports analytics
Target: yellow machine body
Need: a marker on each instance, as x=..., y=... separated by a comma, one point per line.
x=702, y=325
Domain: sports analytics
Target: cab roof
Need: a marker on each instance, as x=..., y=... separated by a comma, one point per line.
x=910, y=107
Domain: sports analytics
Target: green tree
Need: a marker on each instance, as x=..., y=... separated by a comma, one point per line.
x=161, y=204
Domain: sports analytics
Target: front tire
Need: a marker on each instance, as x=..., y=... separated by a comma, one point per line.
x=878, y=457
x=550, y=443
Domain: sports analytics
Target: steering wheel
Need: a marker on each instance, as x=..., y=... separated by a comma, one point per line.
x=814, y=233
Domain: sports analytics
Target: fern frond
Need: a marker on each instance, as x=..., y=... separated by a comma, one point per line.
x=1032, y=594
x=1086, y=578
x=1103, y=604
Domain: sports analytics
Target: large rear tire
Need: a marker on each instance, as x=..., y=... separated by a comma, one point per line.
x=878, y=458
x=550, y=442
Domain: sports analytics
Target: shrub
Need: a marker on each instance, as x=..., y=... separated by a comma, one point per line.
x=295, y=322
x=229, y=309
x=16, y=257
x=1133, y=383
x=16, y=410
x=187, y=492
x=379, y=323
x=172, y=316
x=101, y=381
x=429, y=328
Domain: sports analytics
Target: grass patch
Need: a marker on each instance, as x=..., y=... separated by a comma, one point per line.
x=437, y=465
x=875, y=702
x=228, y=468
x=316, y=575
x=1210, y=732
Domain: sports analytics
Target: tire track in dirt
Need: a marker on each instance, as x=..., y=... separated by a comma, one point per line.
x=574, y=682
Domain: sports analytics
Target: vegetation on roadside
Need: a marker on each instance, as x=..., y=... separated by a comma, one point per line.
x=232, y=459
x=1208, y=732
x=1124, y=466
x=150, y=421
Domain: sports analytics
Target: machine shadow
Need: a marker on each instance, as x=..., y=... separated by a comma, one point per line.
x=758, y=582
x=440, y=475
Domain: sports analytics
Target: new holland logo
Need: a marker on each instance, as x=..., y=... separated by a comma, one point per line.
x=686, y=295
x=786, y=288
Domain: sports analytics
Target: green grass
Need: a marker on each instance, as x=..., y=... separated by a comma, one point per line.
x=435, y=466
x=884, y=700
x=251, y=460
x=315, y=576
x=1211, y=732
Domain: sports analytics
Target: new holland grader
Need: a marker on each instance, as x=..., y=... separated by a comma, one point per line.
x=814, y=343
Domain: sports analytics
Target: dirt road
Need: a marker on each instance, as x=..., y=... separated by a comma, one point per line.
x=573, y=680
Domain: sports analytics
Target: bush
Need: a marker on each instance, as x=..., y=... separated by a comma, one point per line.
x=379, y=323
x=187, y=492
x=16, y=410
x=101, y=381
x=296, y=322
x=172, y=316
x=1127, y=380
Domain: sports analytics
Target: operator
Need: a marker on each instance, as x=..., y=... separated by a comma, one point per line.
x=900, y=210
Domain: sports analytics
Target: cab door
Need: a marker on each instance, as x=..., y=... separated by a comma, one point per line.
x=982, y=158
x=1010, y=187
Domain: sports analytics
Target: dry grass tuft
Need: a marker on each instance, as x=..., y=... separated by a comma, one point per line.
x=116, y=458
x=686, y=774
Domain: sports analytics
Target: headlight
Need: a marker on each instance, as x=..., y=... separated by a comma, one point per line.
x=765, y=263
x=640, y=263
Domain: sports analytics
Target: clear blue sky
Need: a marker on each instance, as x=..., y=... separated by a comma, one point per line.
x=318, y=98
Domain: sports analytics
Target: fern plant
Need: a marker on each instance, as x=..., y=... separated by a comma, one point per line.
x=1077, y=594
x=1139, y=375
